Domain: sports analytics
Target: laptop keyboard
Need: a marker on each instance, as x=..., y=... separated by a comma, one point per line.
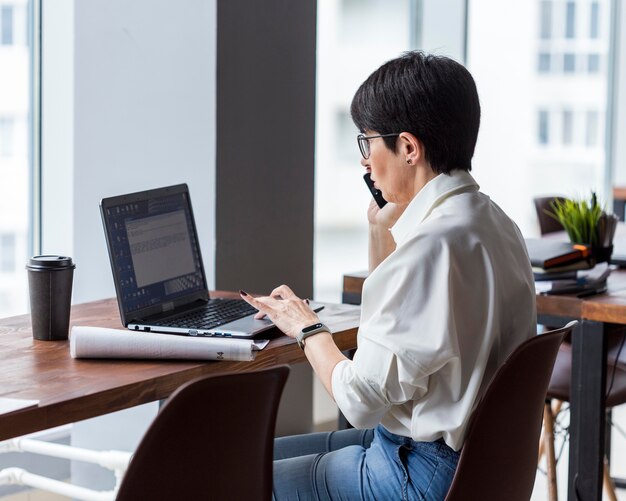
x=216, y=313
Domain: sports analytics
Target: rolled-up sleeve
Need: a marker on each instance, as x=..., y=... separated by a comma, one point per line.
x=366, y=387
x=361, y=404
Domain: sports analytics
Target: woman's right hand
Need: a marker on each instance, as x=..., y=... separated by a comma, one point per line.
x=380, y=241
x=386, y=217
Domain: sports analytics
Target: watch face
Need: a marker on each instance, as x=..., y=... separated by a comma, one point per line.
x=311, y=328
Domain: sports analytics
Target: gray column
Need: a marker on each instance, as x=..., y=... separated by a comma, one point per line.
x=265, y=144
x=265, y=161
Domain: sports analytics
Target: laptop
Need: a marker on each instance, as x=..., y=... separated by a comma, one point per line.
x=158, y=272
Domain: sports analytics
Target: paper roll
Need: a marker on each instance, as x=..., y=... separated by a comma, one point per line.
x=98, y=342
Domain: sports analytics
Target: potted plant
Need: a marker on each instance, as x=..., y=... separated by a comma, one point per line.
x=586, y=223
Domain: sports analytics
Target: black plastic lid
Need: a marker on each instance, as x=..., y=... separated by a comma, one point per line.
x=49, y=263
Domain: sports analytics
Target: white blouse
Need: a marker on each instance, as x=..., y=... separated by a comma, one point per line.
x=439, y=315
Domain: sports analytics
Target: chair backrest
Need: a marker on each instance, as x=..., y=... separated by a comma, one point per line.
x=499, y=457
x=213, y=439
x=547, y=224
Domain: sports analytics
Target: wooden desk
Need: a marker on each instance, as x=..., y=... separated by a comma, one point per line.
x=70, y=390
x=597, y=315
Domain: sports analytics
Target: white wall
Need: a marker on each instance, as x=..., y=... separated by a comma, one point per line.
x=128, y=104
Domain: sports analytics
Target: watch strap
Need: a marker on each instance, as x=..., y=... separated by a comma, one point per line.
x=309, y=331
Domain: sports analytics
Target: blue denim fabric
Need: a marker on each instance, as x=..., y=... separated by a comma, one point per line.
x=361, y=465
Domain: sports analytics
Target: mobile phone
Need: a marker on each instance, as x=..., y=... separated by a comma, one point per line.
x=376, y=193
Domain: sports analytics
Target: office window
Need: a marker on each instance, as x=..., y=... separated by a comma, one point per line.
x=545, y=23
x=594, y=20
x=15, y=155
x=6, y=136
x=5, y=301
x=568, y=127
x=6, y=25
x=569, y=63
x=593, y=63
x=535, y=124
x=570, y=20
x=354, y=38
x=592, y=132
x=345, y=138
x=7, y=253
x=388, y=19
x=544, y=126
x=545, y=60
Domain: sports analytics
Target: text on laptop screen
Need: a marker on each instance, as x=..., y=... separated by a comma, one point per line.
x=155, y=251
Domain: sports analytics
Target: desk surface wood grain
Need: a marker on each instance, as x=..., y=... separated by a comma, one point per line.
x=71, y=390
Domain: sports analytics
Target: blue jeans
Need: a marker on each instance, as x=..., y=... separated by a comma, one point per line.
x=361, y=465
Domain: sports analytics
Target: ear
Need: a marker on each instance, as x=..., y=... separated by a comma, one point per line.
x=410, y=148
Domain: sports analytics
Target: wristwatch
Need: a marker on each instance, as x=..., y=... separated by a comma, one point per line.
x=311, y=330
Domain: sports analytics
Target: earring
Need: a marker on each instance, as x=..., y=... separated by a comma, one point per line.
x=408, y=160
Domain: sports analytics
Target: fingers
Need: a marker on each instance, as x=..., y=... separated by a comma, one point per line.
x=265, y=305
x=276, y=302
x=250, y=300
x=289, y=314
x=373, y=206
x=283, y=292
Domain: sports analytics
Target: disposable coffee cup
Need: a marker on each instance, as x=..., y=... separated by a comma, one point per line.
x=50, y=290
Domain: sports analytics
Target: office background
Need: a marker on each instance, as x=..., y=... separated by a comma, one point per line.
x=248, y=104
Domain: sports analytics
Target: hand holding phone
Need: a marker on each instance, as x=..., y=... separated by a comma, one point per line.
x=376, y=193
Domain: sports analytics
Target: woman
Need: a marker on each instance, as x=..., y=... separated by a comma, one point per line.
x=449, y=296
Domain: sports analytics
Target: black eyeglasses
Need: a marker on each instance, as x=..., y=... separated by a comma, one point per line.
x=364, y=144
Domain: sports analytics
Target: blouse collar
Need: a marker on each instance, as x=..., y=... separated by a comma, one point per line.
x=431, y=195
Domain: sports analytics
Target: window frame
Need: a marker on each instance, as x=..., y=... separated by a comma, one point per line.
x=616, y=64
x=35, y=42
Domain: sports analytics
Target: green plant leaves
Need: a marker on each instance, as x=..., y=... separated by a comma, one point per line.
x=579, y=218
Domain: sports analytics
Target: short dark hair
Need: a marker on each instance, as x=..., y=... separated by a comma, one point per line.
x=432, y=97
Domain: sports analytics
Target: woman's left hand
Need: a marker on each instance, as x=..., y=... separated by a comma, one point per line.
x=288, y=312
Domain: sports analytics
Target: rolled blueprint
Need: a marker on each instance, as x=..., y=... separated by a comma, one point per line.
x=98, y=342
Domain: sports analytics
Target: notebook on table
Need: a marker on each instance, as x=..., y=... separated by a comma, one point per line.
x=545, y=253
x=158, y=271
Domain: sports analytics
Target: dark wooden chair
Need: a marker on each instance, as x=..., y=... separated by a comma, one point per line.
x=559, y=392
x=547, y=224
x=213, y=439
x=499, y=457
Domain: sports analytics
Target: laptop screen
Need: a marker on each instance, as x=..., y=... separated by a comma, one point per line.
x=153, y=248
